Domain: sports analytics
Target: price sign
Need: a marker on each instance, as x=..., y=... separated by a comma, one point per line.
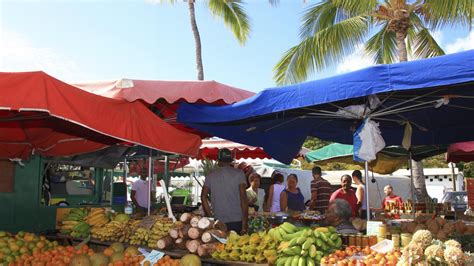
x=222, y=240
x=373, y=227
x=152, y=257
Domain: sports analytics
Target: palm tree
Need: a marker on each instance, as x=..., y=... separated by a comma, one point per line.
x=390, y=31
x=233, y=15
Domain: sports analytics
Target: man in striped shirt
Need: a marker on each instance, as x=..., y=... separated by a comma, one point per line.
x=320, y=191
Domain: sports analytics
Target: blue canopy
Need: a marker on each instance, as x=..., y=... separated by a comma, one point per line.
x=435, y=96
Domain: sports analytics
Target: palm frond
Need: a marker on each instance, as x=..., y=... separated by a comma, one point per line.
x=234, y=16
x=320, y=16
x=274, y=3
x=326, y=47
x=382, y=46
x=440, y=13
x=424, y=45
x=356, y=8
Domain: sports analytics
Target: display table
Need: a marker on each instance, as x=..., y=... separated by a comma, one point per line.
x=177, y=253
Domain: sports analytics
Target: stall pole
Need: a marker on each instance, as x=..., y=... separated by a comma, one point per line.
x=149, y=183
x=367, y=189
x=412, y=185
x=453, y=176
x=166, y=172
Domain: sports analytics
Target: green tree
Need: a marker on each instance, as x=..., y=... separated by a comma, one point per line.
x=389, y=31
x=231, y=12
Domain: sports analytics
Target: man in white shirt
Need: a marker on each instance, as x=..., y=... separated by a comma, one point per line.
x=139, y=193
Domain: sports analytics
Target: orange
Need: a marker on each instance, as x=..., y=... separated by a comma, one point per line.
x=108, y=252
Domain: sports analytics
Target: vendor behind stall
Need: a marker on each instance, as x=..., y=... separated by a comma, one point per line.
x=346, y=193
x=391, y=201
x=338, y=215
x=226, y=186
x=291, y=199
x=255, y=194
x=320, y=191
x=139, y=193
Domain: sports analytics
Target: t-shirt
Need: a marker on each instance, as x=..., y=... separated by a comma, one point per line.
x=141, y=188
x=223, y=183
x=395, y=199
x=350, y=197
x=323, y=193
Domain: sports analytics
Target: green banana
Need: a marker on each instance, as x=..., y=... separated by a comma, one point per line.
x=295, y=260
x=278, y=235
x=292, y=251
x=316, y=234
x=332, y=229
x=304, y=253
x=334, y=237
x=302, y=261
x=312, y=251
x=319, y=243
x=307, y=244
x=301, y=240
x=289, y=228
x=338, y=243
x=310, y=262
x=293, y=242
x=281, y=261
x=288, y=261
x=324, y=237
x=289, y=237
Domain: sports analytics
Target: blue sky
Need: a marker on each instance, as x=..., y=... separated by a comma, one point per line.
x=113, y=39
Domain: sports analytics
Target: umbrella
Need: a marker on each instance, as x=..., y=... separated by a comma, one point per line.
x=164, y=97
x=210, y=148
x=388, y=160
x=421, y=102
x=42, y=115
x=460, y=152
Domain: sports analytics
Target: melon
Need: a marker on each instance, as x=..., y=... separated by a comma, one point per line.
x=117, y=247
x=190, y=260
x=80, y=260
x=132, y=251
x=99, y=259
x=122, y=218
x=116, y=256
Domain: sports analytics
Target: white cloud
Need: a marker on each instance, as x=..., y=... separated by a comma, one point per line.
x=461, y=44
x=17, y=53
x=355, y=61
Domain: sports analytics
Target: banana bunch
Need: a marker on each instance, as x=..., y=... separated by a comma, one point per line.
x=140, y=236
x=114, y=231
x=159, y=230
x=255, y=248
x=74, y=218
x=304, y=246
x=97, y=217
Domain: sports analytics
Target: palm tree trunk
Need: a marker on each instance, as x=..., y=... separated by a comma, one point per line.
x=419, y=183
x=401, y=47
x=197, y=40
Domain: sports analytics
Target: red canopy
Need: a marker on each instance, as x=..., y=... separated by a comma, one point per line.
x=460, y=152
x=210, y=148
x=165, y=96
x=41, y=114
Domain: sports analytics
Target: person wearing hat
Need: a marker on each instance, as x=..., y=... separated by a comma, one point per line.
x=224, y=189
x=139, y=193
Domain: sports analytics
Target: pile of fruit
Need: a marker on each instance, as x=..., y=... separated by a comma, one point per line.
x=440, y=228
x=159, y=230
x=119, y=229
x=81, y=255
x=258, y=224
x=357, y=256
x=165, y=261
x=74, y=223
x=18, y=247
x=424, y=248
x=304, y=246
x=257, y=247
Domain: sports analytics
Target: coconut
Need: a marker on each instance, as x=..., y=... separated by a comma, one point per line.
x=452, y=243
x=411, y=227
x=80, y=260
x=460, y=227
x=454, y=256
x=434, y=252
x=420, y=227
x=441, y=235
x=117, y=247
x=432, y=226
x=422, y=237
x=440, y=221
x=99, y=259
x=448, y=228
